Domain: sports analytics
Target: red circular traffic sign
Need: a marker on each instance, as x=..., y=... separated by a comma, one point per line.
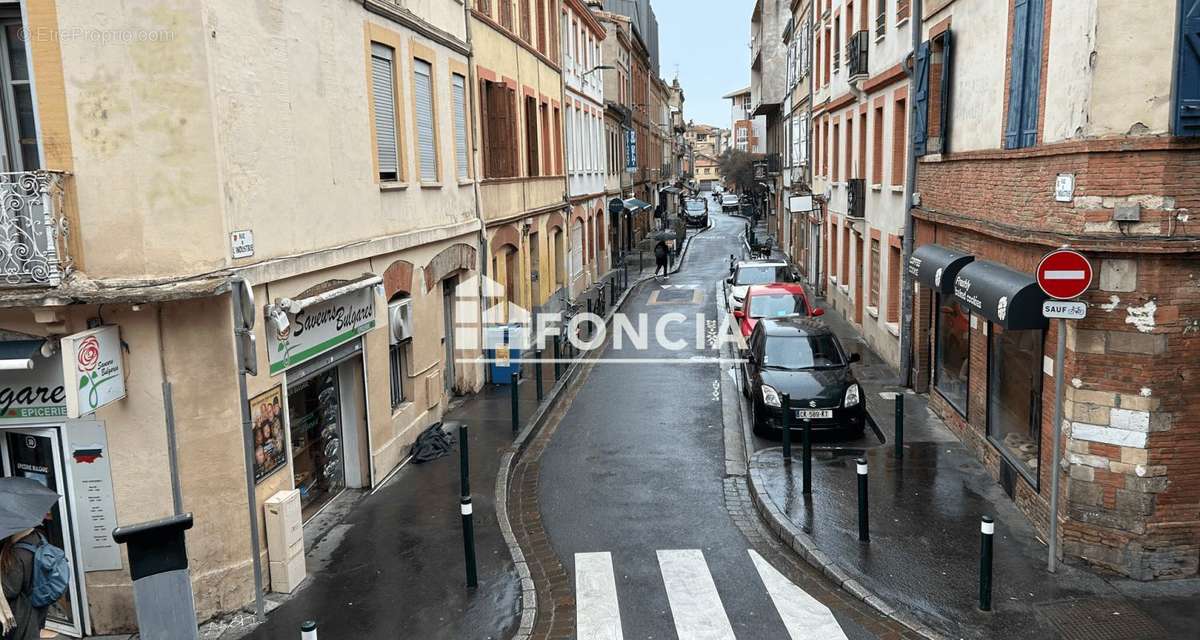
x=1064, y=274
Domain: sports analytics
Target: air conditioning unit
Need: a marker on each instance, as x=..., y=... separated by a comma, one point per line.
x=856, y=198
x=400, y=321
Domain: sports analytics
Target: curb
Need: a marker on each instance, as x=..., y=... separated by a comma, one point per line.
x=510, y=457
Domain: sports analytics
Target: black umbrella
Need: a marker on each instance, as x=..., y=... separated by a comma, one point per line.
x=23, y=504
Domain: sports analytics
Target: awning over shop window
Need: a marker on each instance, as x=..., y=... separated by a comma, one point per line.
x=935, y=266
x=1009, y=298
x=633, y=204
x=16, y=355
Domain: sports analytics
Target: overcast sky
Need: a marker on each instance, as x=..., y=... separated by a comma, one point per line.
x=708, y=41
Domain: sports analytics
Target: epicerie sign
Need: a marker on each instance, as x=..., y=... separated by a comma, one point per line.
x=33, y=396
x=96, y=374
x=321, y=327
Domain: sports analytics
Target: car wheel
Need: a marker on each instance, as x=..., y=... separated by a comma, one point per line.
x=760, y=429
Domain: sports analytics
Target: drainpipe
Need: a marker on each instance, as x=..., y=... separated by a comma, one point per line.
x=915, y=23
x=473, y=78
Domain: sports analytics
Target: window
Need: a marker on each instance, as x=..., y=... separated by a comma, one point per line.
x=894, y=267
x=873, y=297
x=383, y=96
x=541, y=25
x=19, y=122
x=802, y=352
x=458, y=97
x=426, y=125
x=1024, y=82
x=903, y=9
x=499, y=130
x=877, y=151
x=506, y=14
x=531, y=137
x=1187, y=73
x=850, y=165
x=483, y=6
x=559, y=259
x=547, y=153
x=558, y=146
x=940, y=69
x=802, y=130
x=526, y=32
x=1015, y=397
x=835, y=158
x=831, y=256
x=862, y=145
x=844, y=273
x=952, y=368
x=397, y=364
x=836, y=48
x=899, y=122
x=880, y=17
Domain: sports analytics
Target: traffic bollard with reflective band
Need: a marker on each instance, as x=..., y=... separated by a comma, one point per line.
x=537, y=374
x=308, y=630
x=899, y=444
x=557, y=355
x=986, y=529
x=612, y=290
x=785, y=408
x=864, y=528
x=806, y=446
x=468, y=522
x=158, y=565
x=515, y=400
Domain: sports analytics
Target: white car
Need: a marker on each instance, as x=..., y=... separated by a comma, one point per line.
x=730, y=202
x=743, y=275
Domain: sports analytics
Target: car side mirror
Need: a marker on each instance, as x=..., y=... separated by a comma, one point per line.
x=854, y=357
x=739, y=314
x=818, y=312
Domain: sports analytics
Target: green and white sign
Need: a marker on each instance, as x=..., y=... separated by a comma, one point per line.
x=33, y=396
x=95, y=369
x=321, y=327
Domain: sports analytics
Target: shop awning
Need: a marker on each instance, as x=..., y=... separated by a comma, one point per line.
x=633, y=204
x=17, y=355
x=1009, y=298
x=670, y=189
x=935, y=266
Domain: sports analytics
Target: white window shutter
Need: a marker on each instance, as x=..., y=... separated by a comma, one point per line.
x=426, y=137
x=459, y=89
x=383, y=81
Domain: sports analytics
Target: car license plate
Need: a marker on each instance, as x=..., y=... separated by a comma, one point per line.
x=808, y=414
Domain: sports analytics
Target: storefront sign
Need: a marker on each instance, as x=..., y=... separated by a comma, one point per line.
x=631, y=159
x=96, y=375
x=266, y=411
x=1064, y=310
x=321, y=327
x=95, y=509
x=33, y=396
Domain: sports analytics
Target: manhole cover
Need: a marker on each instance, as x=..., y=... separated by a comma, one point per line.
x=1101, y=620
x=676, y=296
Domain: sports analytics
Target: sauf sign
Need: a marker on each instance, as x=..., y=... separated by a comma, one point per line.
x=321, y=327
x=94, y=370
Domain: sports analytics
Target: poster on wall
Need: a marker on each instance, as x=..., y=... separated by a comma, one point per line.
x=95, y=373
x=91, y=480
x=266, y=419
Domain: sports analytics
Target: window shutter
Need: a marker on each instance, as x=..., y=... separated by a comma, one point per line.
x=383, y=92
x=1016, y=81
x=426, y=137
x=947, y=73
x=1033, y=73
x=920, y=103
x=458, y=88
x=1187, y=78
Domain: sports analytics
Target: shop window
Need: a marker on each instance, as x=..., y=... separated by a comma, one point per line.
x=1015, y=397
x=314, y=406
x=952, y=372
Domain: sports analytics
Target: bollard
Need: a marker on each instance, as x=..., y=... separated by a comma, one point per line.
x=308, y=630
x=899, y=425
x=557, y=356
x=515, y=400
x=806, y=445
x=465, y=506
x=625, y=270
x=537, y=374
x=864, y=533
x=986, y=529
x=612, y=290
x=786, y=408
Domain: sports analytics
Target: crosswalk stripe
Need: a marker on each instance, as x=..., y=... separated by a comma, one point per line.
x=803, y=615
x=695, y=604
x=597, y=615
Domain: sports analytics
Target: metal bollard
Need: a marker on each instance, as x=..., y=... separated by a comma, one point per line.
x=899, y=425
x=612, y=290
x=537, y=374
x=557, y=356
x=515, y=400
x=786, y=408
x=986, y=528
x=864, y=533
x=308, y=630
x=806, y=444
x=465, y=506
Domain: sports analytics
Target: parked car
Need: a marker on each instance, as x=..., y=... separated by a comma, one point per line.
x=802, y=358
x=730, y=202
x=695, y=212
x=743, y=275
x=776, y=300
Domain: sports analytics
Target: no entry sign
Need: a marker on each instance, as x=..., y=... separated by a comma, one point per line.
x=1064, y=274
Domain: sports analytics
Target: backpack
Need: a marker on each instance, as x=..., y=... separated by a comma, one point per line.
x=51, y=572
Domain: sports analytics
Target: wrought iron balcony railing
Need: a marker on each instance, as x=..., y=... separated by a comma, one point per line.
x=856, y=55
x=33, y=230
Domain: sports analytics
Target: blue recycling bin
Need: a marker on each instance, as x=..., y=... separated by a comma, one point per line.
x=510, y=336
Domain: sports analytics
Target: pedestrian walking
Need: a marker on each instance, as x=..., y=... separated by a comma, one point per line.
x=660, y=258
x=18, y=617
x=33, y=573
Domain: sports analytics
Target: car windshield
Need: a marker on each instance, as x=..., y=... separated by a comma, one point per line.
x=777, y=305
x=761, y=275
x=695, y=205
x=802, y=352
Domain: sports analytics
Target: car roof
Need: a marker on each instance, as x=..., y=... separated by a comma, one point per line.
x=794, y=326
x=776, y=287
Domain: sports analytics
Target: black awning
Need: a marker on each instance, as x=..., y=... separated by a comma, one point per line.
x=935, y=266
x=1009, y=298
x=19, y=354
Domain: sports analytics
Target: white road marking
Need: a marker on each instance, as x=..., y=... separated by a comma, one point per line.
x=803, y=615
x=695, y=604
x=1064, y=275
x=597, y=615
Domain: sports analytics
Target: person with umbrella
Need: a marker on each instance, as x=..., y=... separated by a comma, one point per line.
x=24, y=504
x=660, y=258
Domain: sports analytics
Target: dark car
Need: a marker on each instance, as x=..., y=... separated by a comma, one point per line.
x=695, y=212
x=802, y=358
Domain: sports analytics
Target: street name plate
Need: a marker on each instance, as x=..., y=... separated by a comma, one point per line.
x=1065, y=310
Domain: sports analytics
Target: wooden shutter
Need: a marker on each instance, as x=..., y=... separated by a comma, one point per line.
x=920, y=100
x=1033, y=74
x=1187, y=74
x=1016, y=80
x=383, y=92
x=426, y=135
x=944, y=111
x=458, y=95
x=485, y=126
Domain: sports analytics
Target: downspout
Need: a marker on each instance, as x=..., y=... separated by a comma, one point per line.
x=483, y=243
x=808, y=143
x=916, y=22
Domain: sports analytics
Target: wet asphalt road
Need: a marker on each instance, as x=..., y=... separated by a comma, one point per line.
x=637, y=466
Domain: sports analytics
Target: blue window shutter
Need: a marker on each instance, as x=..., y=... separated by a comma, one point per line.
x=1016, y=81
x=1187, y=78
x=920, y=115
x=1033, y=74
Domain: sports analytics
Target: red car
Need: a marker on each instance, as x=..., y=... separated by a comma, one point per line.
x=778, y=300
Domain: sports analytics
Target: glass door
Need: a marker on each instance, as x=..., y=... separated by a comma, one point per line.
x=37, y=454
x=314, y=407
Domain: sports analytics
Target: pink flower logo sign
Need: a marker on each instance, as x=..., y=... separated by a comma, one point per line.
x=88, y=353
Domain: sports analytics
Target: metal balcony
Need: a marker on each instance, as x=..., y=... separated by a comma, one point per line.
x=33, y=230
x=856, y=55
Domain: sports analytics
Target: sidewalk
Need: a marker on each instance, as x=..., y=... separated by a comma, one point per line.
x=922, y=563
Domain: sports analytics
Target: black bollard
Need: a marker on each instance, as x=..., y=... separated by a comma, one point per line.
x=986, y=528
x=557, y=356
x=537, y=374
x=899, y=444
x=786, y=410
x=806, y=445
x=308, y=630
x=468, y=523
x=864, y=534
x=515, y=400
x=612, y=290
